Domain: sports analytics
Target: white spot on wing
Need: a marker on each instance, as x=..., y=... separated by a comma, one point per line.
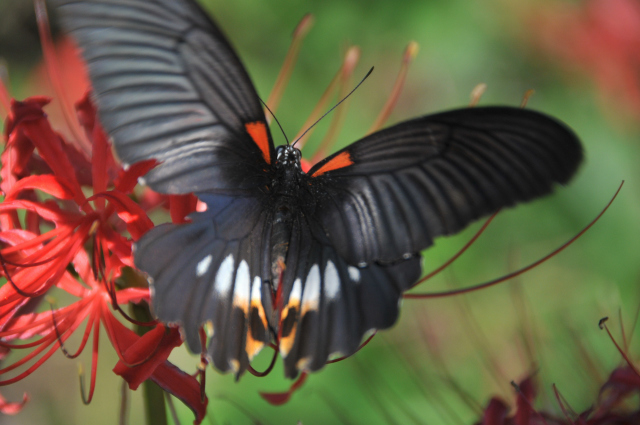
x=303, y=363
x=234, y=364
x=255, y=289
x=311, y=296
x=203, y=265
x=335, y=355
x=142, y=181
x=354, y=274
x=242, y=287
x=331, y=280
x=224, y=276
x=296, y=292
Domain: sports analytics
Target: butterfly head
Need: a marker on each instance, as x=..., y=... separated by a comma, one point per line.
x=287, y=157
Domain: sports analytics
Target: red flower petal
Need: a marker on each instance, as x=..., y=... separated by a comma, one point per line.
x=183, y=386
x=136, y=218
x=28, y=110
x=47, y=211
x=495, y=413
x=171, y=379
x=30, y=120
x=54, y=186
x=278, y=399
x=180, y=206
x=12, y=408
x=14, y=160
x=526, y=395
x=129, y=178
x=152, y=349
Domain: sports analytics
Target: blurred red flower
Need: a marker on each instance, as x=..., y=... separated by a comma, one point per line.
x=600, y=38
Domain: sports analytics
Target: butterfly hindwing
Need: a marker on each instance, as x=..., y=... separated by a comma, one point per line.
x=213, y=272
x=331, y=305
x=391, y=193
x=169, y=87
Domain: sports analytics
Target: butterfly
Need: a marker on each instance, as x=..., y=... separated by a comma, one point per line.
x=314, y=261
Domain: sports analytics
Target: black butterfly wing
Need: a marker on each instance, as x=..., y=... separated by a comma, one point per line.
x=331, y=305
x=169, y=86
x=389, y=194
x=214, y=271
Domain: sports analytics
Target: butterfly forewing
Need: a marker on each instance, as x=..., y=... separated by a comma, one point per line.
x=431, y=176
x=169, y=87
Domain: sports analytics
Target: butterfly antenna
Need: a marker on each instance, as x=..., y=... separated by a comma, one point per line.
x=334, y=107
x=275, y=118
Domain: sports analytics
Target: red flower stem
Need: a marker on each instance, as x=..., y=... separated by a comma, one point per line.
x=16, y=332
x=94, y=366
x=353, y=56
x=50, y=338
x=320, y=107
x=626, y=358
x=36, y=352
x=339, y=359
x=29, y=371
x=460, y=252
x=42, y=280
x=409, y=55
x=85, y=336
x=291, y=58
x=111, y=290
x=269, y=368
x=517, y=272
x=562, y=406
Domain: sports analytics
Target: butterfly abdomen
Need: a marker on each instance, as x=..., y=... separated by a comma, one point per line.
x=280, y=236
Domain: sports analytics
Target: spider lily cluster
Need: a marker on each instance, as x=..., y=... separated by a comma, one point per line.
x=83, y=253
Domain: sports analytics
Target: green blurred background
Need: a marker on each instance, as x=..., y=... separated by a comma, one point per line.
x=476, y=342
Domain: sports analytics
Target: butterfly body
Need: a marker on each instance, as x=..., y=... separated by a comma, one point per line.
x=309, y=261
x=289, y=194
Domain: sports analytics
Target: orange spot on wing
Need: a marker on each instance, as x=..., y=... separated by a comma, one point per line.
x=258, y=132
x=339, y=161
x=252, y=345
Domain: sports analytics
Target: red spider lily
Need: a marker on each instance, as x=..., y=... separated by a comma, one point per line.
x=56, y=326
x=34, y=262
x=598, y=37
x=32, y=272
x=141, y=358
x=44, y=180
